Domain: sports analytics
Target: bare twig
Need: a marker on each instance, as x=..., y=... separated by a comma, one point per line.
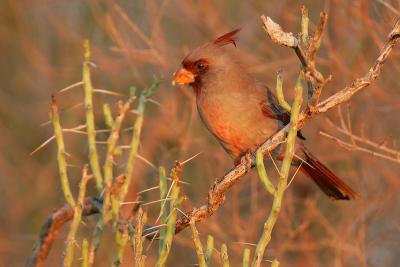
x=316, y=42
x=277, y=35
x=380, y=146
x=139, y=258
x=352, y=147
x=52, y=226
x=317, y=92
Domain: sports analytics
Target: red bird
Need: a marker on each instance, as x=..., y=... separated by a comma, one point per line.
x=241, y=112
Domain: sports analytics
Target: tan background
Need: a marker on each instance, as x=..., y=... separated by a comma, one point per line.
x=41, y=53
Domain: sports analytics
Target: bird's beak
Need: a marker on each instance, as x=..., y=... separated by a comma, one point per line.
x=183, y=76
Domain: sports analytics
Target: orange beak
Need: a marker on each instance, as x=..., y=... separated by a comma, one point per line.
x=183, y=76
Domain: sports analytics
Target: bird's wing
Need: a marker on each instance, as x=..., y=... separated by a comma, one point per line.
x=270, y=108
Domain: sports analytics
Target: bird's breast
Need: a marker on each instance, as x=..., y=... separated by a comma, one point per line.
x=238, y=126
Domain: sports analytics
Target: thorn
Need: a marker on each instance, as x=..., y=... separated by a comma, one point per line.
x=146, y=161
x=191, y=158
x=148, y=189
x=70, y=87
x=42, y=145
x=107, y=92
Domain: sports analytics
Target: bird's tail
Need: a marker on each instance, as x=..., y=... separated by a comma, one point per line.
x=329, y=183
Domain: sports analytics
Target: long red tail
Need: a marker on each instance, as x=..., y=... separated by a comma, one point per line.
x=329, y=183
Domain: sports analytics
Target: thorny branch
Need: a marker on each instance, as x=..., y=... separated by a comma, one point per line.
x=52, y=226
x=56, y=221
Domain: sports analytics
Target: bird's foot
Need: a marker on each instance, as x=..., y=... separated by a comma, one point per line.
x=245, y=160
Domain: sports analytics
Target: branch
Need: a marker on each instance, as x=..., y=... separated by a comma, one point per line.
x=171, y=218
x=198, y=246
x=90, y=124
x=379, y=150
x=70, y=242
x=62, y=162
x=56, y=221
x=352, y=147
x=216, y=194
x=108, y=164
x=276, y=34
x=52, y=226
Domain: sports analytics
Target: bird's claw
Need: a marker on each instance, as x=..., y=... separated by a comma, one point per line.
x=246, y=160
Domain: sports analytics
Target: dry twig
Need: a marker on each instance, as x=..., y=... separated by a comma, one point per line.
x=52, y=226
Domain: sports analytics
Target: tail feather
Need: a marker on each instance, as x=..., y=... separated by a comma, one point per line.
x=329, y=183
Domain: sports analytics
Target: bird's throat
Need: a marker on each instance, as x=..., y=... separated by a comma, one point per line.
x=197, y=85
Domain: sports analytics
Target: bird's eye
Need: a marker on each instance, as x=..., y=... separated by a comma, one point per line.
x=201, y=66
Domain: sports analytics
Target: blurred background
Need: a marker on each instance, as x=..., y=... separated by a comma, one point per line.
x=131, y=41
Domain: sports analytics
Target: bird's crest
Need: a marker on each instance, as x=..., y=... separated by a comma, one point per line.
x=227, y=38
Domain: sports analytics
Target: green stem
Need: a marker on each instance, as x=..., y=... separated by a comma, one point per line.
x=284, y=173
x=304, y=25
x=85, y=253
x=164, y=208
x=108, y=116
x=279, y=92
x=90, y=125
x=137, y=129
x=275, y=263
x=174, y=204
x=134, y=146
x=197, y=244
x=108, y=164
x=262, y=173
x=121, y=239
x=62, y=163
x=224, y=255
x=246, y=257
x=135, y=141
x=209, y=250
x=70, y=242
x=97, y=233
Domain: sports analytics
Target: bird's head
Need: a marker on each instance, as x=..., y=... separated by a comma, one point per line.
x=204, y=61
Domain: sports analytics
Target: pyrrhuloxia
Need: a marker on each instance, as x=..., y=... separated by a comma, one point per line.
x=241, y=112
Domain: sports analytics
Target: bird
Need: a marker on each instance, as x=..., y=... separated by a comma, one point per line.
x=242, y=113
